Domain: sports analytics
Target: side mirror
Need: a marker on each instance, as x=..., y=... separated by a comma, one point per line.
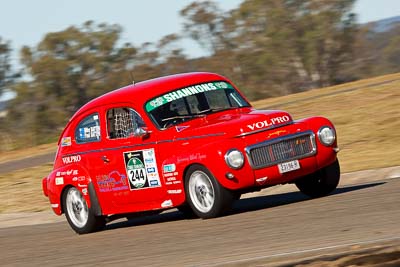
x=141, y=132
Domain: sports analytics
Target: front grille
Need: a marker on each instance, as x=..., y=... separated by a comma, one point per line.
x=281, y=150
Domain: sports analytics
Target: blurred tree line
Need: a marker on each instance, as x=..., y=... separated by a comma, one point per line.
x=267, y=48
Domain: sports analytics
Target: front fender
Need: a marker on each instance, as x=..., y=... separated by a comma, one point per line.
x=212, y=156
x=326, y=155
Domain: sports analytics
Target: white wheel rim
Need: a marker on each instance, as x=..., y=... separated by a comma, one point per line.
x=201, y=191
x=77, y=208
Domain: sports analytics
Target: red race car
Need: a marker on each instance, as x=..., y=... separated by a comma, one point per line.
x=188, y=141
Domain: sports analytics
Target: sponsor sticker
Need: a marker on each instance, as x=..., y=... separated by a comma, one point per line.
x=184, y=92
x=181, y=128
x=71, y=159
x=59, y=180
x=151, y=170
x=176, y=191
x=80, y=178
x=89, y=132
x=268, y=122
x=66, y=141
x=112, y=182
x=166, y=203
x=169, y=168
x=153, y=183
x=141, y=169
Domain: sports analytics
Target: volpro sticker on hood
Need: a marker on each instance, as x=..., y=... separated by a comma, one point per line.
x=269, y=122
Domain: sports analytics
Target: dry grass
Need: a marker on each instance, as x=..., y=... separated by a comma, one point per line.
x=31, y=151
x=367, y=118
x=22, y=190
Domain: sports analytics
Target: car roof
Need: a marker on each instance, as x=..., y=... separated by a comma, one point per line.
x=141, y=92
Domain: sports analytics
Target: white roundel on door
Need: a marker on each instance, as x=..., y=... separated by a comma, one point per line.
x=136, y=172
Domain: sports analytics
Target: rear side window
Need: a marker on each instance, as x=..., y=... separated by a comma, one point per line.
x=88, y=130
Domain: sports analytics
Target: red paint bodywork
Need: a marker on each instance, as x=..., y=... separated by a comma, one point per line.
x=204, y=140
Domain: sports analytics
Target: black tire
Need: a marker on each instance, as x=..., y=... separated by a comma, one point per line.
x=236, y=195
x=206, y=197
x=187, y=211
x=320, y=183
x=81, y=218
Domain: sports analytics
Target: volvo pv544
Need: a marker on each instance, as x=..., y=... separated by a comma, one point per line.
x=188, y=141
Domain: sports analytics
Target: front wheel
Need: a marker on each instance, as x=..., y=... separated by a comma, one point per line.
x=320, y=183
x=206, y=197
x=79, y=216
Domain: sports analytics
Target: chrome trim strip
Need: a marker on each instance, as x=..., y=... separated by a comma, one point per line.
x=280, y=139
x=143, y=144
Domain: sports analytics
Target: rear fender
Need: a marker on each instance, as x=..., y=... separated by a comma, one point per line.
x=64, y=177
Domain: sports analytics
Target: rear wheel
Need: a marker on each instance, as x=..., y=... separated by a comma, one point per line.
x=205, y=195
x=79, y=216
x=320, y=183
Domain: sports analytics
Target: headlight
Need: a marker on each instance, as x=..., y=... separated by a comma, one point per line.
x=234, y=158
x=326, y=135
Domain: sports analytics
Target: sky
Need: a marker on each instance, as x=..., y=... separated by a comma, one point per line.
x=24, y=22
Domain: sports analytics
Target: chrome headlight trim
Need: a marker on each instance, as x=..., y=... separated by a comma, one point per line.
x=326, y=135
x=234, y=158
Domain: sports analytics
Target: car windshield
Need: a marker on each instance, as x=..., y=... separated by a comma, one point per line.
x=192, y=102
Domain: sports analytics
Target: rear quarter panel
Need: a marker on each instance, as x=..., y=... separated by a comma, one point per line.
x=61, y=178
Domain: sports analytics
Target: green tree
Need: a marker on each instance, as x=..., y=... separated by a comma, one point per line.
x=391, y=52
x=6, y=77
x=203, y=22
x=68, y=68
x=278, y=46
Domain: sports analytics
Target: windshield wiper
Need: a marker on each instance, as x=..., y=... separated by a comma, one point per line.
x=183, y=117
x=214, y=110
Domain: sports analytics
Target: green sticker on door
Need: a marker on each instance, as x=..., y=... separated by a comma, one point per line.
x=141, y=169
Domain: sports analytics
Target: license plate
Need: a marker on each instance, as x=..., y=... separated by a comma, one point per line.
x=289, y=166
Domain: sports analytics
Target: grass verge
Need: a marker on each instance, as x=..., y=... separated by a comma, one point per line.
x=21, y=191
x=366, y=114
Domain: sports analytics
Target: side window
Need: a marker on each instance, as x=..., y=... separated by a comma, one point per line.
x=122, y=122
x=88, y=130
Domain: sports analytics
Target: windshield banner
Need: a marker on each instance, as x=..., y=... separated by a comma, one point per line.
x=184, y=92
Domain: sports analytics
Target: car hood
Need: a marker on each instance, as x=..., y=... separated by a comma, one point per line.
x=238, y=122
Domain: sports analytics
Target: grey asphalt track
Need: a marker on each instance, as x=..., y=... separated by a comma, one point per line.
x=259, y=231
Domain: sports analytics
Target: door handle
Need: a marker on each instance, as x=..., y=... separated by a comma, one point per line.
x=105, y=159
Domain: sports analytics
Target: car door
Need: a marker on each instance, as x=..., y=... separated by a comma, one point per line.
x=131, y=176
